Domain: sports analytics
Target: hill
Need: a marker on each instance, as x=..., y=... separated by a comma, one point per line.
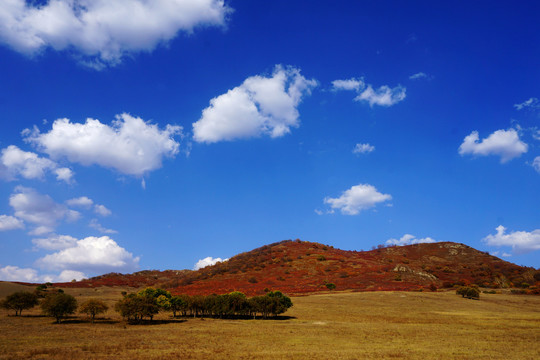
x=297, y=267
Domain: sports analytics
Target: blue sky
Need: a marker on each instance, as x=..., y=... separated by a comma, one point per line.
x=160, y=135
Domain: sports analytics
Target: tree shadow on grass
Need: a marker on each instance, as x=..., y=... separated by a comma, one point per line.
x=156, y=322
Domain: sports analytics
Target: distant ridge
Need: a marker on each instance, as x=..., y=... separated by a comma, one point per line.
x=297, y=267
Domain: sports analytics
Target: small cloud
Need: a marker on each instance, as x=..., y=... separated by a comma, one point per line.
x=15, y=163
x=503, y=143
x=521, y=241
x=40, y=210
x=55, y=242
x=319, y=212
x=506, y=255
x=419, y=75
x=207, y=261
x=383, y=96
x=357, y=198
x=95, y=254
x=363, y=148
x=96, y=225
x=82, y=201
x=10, y=223
x=102, y=210
x=349, y=84
x=531, y=104
x=536, y=163
x=259, y=106
x=129, y=145
x=409, y=239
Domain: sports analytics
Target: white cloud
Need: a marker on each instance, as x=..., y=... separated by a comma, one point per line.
x=55, y=242
x=520, y=241
x=419, y=75
x=130, y=145
x=363, y=148
x=506, y=254
x=15, y=162
x=409, y=239
x=69, y=275
x=82, y=201
x=97, y=254
x=102, y=32
x=503, y=143
x=357, y=198
x=532, y=103
x=207, y=261
x=102, y=210
x=40, y=210
x=94, y=223
x=10, y=223
x=14, y=273
x=261, y=105
x=383, y=96
x=349, y=84
x=536, y=163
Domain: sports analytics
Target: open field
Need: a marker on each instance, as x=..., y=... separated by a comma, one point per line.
x=368, y=325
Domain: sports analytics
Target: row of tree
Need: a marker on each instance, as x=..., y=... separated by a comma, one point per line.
x=148, y=302
x=56, y=304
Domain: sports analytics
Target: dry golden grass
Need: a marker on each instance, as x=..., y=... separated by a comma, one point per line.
x=375, y=325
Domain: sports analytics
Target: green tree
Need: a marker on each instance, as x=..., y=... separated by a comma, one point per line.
x=93, y=307
x=59, y=305
x=468, y=292
x=19, y=301
x=177, y=304
x=136, y=307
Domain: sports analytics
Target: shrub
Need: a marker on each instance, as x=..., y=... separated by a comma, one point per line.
x=19, y=301
x=93, y=307
x=321, y=258
x=330, y=286
x=468, y=292
x=252, y=280
x=59, y=305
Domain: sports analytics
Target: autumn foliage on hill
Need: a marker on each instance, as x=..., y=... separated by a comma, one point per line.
x=297, y=267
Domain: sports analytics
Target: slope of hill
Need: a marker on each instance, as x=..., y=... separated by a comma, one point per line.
x=301, y=267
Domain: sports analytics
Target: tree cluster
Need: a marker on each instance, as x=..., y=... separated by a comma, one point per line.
x=468, y=292
x=148, y=302
x=19, y=301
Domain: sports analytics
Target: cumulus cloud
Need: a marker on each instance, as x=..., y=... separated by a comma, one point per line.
x=207, y=261
x=130, y=145
x=409, y=239
x=14, y=273
x=531, y=104
x=93, y=254
x=357, y=198
x=383, y=96
x=503, y=143
x=520, y=241
x=349, y=84
x=363, y=148
x=260, y=106
x=102, y=32
x=94, y=223
x=40, y=210
x=15, y=163
x=10, y=223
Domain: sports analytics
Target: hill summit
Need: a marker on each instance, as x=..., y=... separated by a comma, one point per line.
x=296, y=267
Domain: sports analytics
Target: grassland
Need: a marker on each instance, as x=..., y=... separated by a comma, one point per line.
x=368, y=325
